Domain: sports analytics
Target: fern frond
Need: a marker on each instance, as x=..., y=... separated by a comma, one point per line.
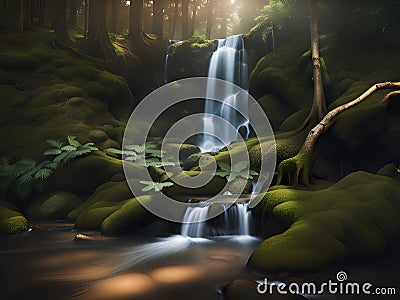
x=114, y=151
x=55, y=143
x=43, y=174
x=69, y=148
x=60, y=158
x=53, y=151
x=71, y=139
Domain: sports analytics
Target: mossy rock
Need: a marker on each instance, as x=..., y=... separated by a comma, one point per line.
x=240, y=186
x=109, y=143
x=276, y=109
x=111, y=131
x=130, y=215
x=110, y=192
x=185, y=150
x=211, y=188
x=53, y=206
x=21, y=62
x=12, y=222
x=357, y=217
x=76, y=101
x=97, y=136
x=82, y=176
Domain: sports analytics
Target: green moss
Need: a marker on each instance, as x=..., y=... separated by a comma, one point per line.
x=109, y=192
x=20, y=62
x=109, y=143
x=275, y=108
x=55, y=94
x=131, y=214
x=53, y=206
x=111, y=132
x=76, y=101
x=211, y=188
x=97, y=136
x=12, y=222
x=356, y=217
x=294, y=121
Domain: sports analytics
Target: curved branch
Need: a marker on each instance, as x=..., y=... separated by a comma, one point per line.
x=302, y=162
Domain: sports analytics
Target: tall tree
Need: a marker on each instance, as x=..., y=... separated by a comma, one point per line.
x=60, y=20
x=25, y=18
x=194, y=17
x=210, y=17
x=319, y=108
x=41, y=11
x=99, y=43
x=185, y=19
x=114, y=15
x=176, y=11
x=73, y=14
x=158, y=18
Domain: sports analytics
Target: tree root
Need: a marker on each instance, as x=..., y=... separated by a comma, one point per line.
x=298, y=168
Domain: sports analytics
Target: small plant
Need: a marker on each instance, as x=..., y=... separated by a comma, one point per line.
x=26, y=175
x=239, y=169
x=65, y=153
x=156, y=186
x=146, y=155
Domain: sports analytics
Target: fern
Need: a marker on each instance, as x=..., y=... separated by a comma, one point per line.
x=156, y=186
x=239, y=169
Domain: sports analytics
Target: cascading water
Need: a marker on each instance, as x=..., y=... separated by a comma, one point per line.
x=238, y=219
x=171, y=43
x=193, y=224
x=228, y=62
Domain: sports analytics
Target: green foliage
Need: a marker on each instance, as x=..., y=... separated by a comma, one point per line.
x=65, y=153
x=156, y=186
x=26, y=175
x=145, y=155
x=240, y=169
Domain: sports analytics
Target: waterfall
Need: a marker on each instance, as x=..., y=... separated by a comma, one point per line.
x=170, y=44
x=237, y=221
x=228, y=62
x=193, y=222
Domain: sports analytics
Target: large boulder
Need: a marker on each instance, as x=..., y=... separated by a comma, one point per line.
x=52, y=206
x=357, y=217
x=11, y=221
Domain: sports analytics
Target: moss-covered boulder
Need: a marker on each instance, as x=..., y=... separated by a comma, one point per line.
x=357, y=217
x=112, y=210
x=190, y=58
x=52, y=206
x=82, y=176
x=11, y=221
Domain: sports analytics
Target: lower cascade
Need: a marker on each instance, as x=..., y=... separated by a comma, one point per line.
x=237, y=221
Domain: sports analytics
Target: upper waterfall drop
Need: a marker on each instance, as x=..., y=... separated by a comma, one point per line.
x=228, y=62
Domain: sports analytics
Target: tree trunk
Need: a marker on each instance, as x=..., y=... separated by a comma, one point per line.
x=210, y=16
x=73, y=14
x=41, y=11
x=318, y=108
x=158, y=18
x=99, y=43
x=24, y=22
x=185, y=19
x=86, y=25
x=302, y=163
x=60, y=20
x=194, y=17
x=114, y=15
x=176, y=11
